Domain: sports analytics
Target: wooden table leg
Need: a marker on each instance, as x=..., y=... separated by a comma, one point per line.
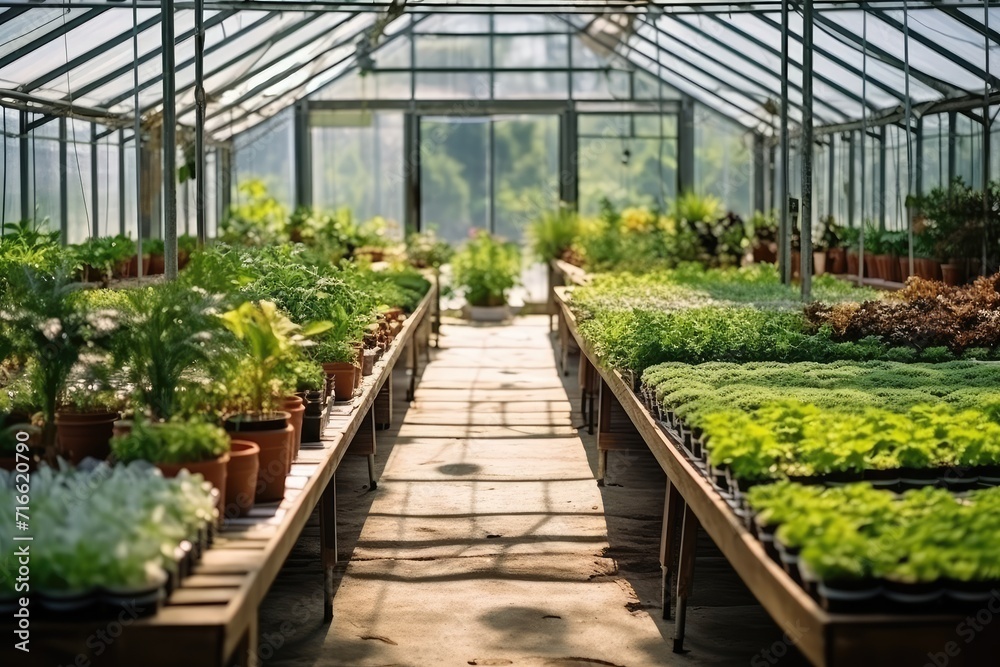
x=672, y=502
x=414, y=369
x=383, y=406
x=685, y=574
x=604, y=398
x=328, y=543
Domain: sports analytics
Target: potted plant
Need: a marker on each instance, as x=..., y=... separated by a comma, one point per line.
x=186, y=246
x=486, y=268
x=242, y=473
x=153, y=249
x=194, y=446
x=850, y=241
x=552, y=234
x=310, y=380
x=897, y=266
x=270, y=341
x=56, y=331
x=764, y=232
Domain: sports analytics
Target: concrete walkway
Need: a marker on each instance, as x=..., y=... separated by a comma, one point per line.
x=487, y=540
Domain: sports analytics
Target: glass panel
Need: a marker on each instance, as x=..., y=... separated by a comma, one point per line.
x=607, y=85
x=627, y=170
x=10, y=207
x=531, y=51
x=896, y=178
x=44, y=150
x=647, y=87
x=654, y=126
x=108, y=202
x=455, y=23
x=935, y=151
x=525, y=171
x=968, y=150
x=524, y=24
x=454, y=173
x=530, y=85
x=358, y=163
x=78, y=182
x=265, y=153
x=131, y=213
x=723, y=161
x=453, y=85
x=456, y=52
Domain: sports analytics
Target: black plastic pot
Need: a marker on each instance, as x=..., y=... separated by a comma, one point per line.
x=138, y=601
x=248, y=423
x=917, y=478
x=843, y=477
x=989, y=476
x=882, y=479
x=964, y=594
x=67, y=604
x=913, y=596
x=312, y=419
x=789, y=558
x=848, y=595
x=959, y=478
x=765, y=533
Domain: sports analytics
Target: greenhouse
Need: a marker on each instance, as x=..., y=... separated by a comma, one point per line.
x=482, y=332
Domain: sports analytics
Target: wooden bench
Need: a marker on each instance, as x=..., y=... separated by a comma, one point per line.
x=827, y=640
x=211, y=620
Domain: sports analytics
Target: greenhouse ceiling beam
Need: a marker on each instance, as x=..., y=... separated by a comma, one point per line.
x=837, y=60
x=846, y=36
x=277, y=78
x=937, y=48
x=52, y=35
x=11, y=14
x=408, y=31
x=659, y=77
x=465, y=7
x=94, y=53
x=242, y=55
x=972, y=23
x=153, y=55
x=16, y=99
x=770, y=91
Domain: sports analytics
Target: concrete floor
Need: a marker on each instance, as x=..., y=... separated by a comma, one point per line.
x=488, y=541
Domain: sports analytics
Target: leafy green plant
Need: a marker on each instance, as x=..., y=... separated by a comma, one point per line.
x=426, y=250
x=170, y=442
x=486, y=267
x=153, y=247
x=104, y=254
x=553, y=233
x=694, y=208
x=270, y=341
x=257, y=219
x=170, y=341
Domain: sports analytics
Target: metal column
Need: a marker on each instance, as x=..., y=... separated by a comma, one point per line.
x=881, y=177
x=302, y=155
x=568, y=161
x=952, y=144
x=122, y=184
x=201, y=189
x=805, y=215
x=95, y=224
x=63, y=183
x=760, y=167
x=169, y=143
x=411, y=170
x=27, y=210
x=830, y=179
x=685, y=146
x=784, y=226
x=852, y=156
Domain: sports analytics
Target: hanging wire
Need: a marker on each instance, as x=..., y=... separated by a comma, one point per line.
x=910, y=173
x=864, y=133
x=137, y=136
x=3, y=206
x=76, y=146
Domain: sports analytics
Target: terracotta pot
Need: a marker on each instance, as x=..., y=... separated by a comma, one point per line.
x=929, y=269
x=359, y=364
x=368, y=364
x=819, y=263
x=796, y=263
x=214, y=472
x=904, y=268
x=156, y=265
x=274, y=437
x=872, y=268
x=853, y=263
x=122, y=269
x=343, y=374
x=296, y=409
x=241, y=478
x=91, y=274
x=950, y=274
x=183, y=257
x=888, y=267
x=837, y=261
x=83, y=434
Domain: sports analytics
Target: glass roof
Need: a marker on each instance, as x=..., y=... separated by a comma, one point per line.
x=264, y=55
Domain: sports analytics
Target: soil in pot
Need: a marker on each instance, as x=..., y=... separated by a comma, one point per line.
x=273, y=434
x=343, y=374
x=213, y=470
x=241, y=478
x=296, y=409
x=83, y=434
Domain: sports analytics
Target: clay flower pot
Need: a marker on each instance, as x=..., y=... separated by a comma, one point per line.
x=156, y=265
x=904, y=268
x=837, y=261
x=273, y=434
x=83, y=434
x=213, y=470
x=343, y=374
x=951, y=274
x=241, y=478
x=368, y=363
x=853, y=263
x=359, y=364
x=819, y=263
x=294, y=407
